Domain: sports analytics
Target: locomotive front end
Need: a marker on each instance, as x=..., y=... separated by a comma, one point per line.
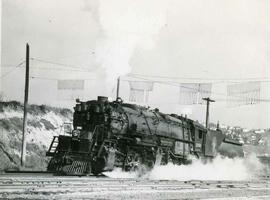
x=91, y=147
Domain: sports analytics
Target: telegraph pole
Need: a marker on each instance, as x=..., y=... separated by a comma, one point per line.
x=118, y=86
x=208, y=100
x=23, y=152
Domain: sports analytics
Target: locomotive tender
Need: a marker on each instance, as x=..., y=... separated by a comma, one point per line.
x=116, y=134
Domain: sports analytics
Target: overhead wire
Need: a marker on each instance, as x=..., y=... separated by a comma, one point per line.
x=178, y=84
x=8, y=65
x=77, y=55
x=59, y=64
x=57, y=69
x=12, y=70
x=55, y=79
x=262, y=79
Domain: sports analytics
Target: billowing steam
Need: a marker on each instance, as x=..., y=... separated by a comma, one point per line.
x=126, y=25
x=219, y=169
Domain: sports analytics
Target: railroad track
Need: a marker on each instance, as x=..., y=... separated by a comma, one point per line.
x=43, y=186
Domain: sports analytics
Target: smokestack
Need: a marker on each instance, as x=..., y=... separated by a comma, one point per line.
x=218, y=125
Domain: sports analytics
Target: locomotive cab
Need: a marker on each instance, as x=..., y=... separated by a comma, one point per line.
x=199, y=136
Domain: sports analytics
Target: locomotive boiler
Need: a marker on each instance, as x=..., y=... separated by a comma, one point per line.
x=116, y=134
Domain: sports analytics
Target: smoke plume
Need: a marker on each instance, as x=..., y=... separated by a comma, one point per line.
x=126, y=25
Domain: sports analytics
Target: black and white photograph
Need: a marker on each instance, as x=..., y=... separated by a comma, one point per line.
x=135, y=99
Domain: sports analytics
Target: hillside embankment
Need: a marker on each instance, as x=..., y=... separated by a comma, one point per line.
x=44, y=122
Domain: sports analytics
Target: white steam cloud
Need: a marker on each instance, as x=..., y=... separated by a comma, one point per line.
x=219, y=169
x=127, y=25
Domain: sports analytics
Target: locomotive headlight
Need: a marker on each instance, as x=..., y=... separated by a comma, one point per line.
x=75, y=133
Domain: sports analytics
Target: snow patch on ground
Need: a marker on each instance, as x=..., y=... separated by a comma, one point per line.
x=8, y=113
x=37, y=135
x=42, y=136
x=56, y=120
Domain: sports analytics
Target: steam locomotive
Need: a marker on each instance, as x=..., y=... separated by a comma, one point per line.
x=116, y=134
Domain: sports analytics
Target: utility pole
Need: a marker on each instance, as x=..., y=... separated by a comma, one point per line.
x=118, y=86
x=208, y=100
x=23, y=152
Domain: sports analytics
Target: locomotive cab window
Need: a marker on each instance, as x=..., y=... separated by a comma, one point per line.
x=200, y=134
